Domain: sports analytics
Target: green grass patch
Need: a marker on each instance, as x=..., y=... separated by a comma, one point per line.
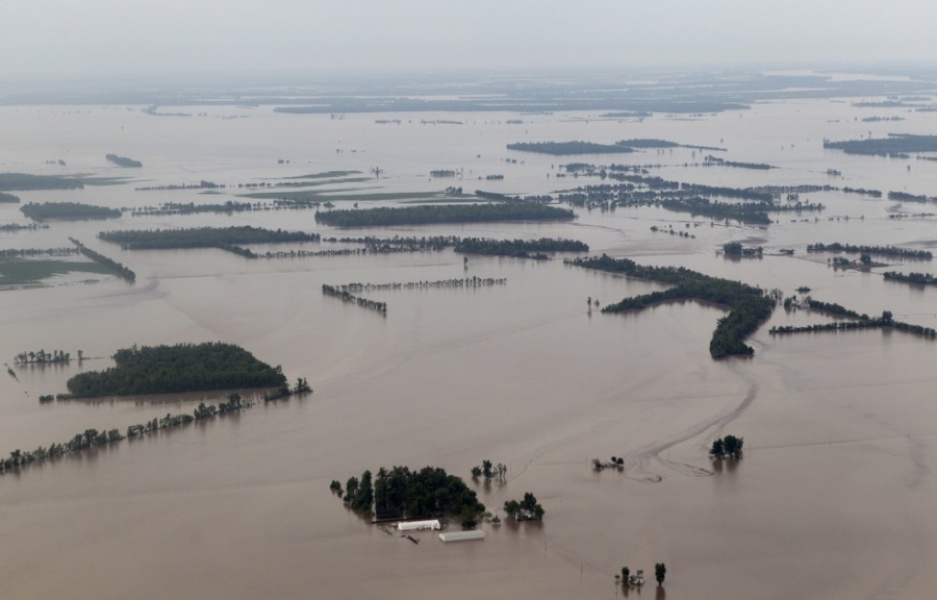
x=26, y=271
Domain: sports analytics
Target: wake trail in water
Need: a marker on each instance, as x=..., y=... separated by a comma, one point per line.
x=638, y=462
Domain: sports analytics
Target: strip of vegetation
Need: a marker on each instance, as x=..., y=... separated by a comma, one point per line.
x=431, y=214
x=99, y=258
x=18, y=227
x=30, y=252
x=879, y=250
x=92, y=438
x=123, y=161
x=862, y=321
x=176, y=208
x=519, y=248
x=467, y=282
x=710, y=161
x=9, y=199
x=202, y=237
x=912, y=278
x=748, y=306
x=42, y=357
x=19, y=271
x=24, y=181
x=895, y=145
x=202, y=185
x=68, y=211
x=906, y=197
x=404, y=494
x=175, y=369
x=567, y=148
x=344, y=296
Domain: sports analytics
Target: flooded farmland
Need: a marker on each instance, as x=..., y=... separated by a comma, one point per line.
x=834, y=497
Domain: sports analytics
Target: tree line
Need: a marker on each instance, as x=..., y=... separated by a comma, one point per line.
x=92, y=438
x=518, y=248
x=110, y=263
x=748, y=306
x=68, y=211
x=8, y=198
x=123, y=161
x=880, y=250
x=178, y=368
x=345, y=296
x=433, y=214
x=912, y=278
x=202, y=237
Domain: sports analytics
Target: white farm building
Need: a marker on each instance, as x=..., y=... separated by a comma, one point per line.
x=418, y=525
x=462, y=536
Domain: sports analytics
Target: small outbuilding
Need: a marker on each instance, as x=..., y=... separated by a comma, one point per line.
x=462, y=536
x=418, y=525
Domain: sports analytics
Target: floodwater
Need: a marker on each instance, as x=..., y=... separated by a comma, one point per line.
x=835, y=495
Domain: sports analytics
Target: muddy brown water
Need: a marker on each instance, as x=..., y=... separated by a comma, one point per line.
x=834, y=498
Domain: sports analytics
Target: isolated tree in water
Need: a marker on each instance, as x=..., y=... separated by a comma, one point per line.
x=660, y=571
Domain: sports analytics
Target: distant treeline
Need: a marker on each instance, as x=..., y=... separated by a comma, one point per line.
x=202, y=185
x=905, y=197
x=748, y=306
x=123, y=161
x=175, y=369
x=566, y=148
x=442, y=173
x=24, y=181
x=345, y=296
x=738, y=250
x=432, y=214
x=99, y=258
x=8, y=199
x=176, y=208
x=712, y=160
x=912, y=278
x=202, y=237
x=467, y=282
x=518, y=248
x=539, y=105
x=68, y=211
x=29, y=252
x=880, y=250
x=895, y=145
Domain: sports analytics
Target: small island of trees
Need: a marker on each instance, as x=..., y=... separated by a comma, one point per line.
x=203, y=237
x=912, y=278
x=896, y=145
x=178, y=368
x=527, y=509
x=400, y=493
x=8, y=198
x=518, y=248
x=123, y=161
x=726, y=447
x=68, y=211
x=748, y=306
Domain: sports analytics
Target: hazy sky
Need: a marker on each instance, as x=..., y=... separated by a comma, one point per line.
x=94, y=37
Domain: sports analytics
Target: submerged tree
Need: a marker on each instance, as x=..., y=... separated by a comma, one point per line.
x=660, y=572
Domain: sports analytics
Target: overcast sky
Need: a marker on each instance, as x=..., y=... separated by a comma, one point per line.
x=48, y=38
